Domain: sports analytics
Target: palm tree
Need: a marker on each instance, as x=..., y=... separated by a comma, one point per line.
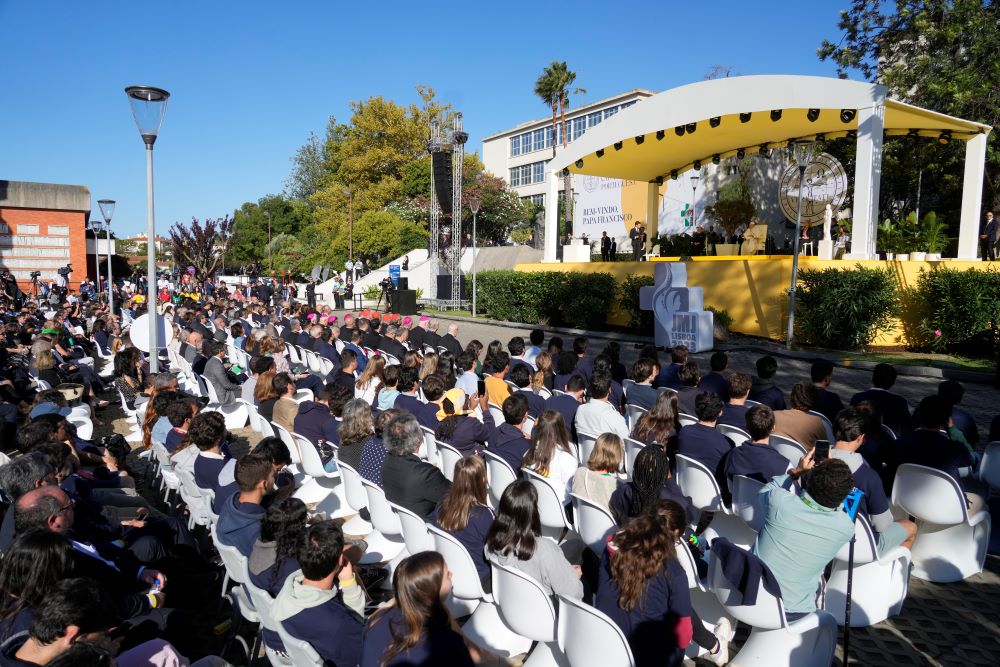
x=554, y=88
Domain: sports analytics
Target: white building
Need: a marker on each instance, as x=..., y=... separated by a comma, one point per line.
x=519, y=155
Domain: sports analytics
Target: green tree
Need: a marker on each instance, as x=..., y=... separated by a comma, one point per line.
x=936, y=54
x=554, y=89
x=250, y=228
x=202, y=245
x=314, y=161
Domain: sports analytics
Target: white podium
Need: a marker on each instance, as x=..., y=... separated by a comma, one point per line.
x=576, y=251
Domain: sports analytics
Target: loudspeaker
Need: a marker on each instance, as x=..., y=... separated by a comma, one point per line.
x=442, y=180
x=402, y=283
x=444, y=287
x=404, y=302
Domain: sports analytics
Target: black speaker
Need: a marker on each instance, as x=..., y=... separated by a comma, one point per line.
x=444, y=287
x=442, y=180
x=402, y=283
x=404, y=302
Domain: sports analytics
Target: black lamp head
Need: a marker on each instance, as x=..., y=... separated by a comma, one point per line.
x=740, y=153
x=812, y=115
x=579, y=164
x=641, y=138
x=618, y=145
x=944, y=137
x=660, y=134
x=775, y=115
x=679, y=130
x=715, y=121
x=764, y=151
x=659, y=180
x=716, y=159
x=600, y=152
x=847, y=115
x=691, y=127
x=745, y=117
x=697, y=165
x=673, y=174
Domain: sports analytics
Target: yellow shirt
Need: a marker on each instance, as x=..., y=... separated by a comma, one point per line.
x=497, y=390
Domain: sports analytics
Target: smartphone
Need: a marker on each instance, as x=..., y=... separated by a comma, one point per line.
x=481, y=387
x=821, y=452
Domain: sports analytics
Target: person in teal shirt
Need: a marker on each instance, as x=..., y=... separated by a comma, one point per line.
x=804, y=529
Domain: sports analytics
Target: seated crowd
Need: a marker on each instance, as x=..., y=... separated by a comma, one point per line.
x=92, y=568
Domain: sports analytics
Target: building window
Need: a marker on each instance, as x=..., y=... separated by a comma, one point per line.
x=538, y=172
x=577, y=128
x=527, y=174
x=594, y=119
x=609, y=112
x=515, y=146
x=537, y=200
x=628, y=104
x=27, y=229
x=59, y=230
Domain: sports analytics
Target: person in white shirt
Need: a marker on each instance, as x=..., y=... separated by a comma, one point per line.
x=597, y=416
x=537, y=337
x=468, y=381
x=551, y=454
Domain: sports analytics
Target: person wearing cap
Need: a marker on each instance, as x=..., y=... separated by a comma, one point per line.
x=348, y=327
x=418, y=332
x=459, y=428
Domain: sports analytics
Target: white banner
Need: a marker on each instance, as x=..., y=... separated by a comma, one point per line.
x=599, y=208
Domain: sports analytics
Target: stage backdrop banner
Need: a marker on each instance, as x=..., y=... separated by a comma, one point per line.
x=607, y=205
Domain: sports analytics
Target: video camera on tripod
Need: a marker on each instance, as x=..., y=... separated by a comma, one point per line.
x=65, y=271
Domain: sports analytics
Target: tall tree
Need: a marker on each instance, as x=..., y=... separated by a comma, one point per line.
x=202, y=246
x=554, y=87
x=314, y=161
x=938, y=54
x=250, y=227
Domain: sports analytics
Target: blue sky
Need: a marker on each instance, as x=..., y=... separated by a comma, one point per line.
x=249, y=80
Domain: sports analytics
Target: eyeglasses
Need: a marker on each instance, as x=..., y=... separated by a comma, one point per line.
x=69, y=506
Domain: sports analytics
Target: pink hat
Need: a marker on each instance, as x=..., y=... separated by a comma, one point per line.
x=311, y=316
x=407, y=320
x=424, y=318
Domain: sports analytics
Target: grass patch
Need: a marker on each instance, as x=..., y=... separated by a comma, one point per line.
x=926, y=359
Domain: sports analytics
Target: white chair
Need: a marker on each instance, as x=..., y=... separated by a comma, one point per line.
x=168, y=477
x=235, y=412
x=544, y=393
x=415, y=533
x=253, y=417
x=323, y=484
x=585, y=445
x=745, y=491
x=593, y=522
x=737, y=436
x=497, y=413
x=527, y=609
x=588, y=638
x=529, y=426
x=707, y=606
x=301, y=653
x=790, y=449
x=431, y=454
x=550, y=506
x=449, y=456
x=634, y=413
x=385, y=543
x=632, y=449
x=484, y=627
x=950, y=544
x=262, y=603
x=301, y=395
x=807, y=642
x=989, y=467
x=686, y=419
x=500, y=475
x=823, y=418
x=880, y=582
x=198, y=503
x=357, y=500
x=84, y=427
x=697, y=482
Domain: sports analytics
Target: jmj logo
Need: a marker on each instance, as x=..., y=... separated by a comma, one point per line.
x=678, y=310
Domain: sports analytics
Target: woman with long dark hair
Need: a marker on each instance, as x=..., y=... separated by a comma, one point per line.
x=651, y=481
x=417, y=628
x=643, y=588
x=465, y=514
x=371, y=381
x=475, y=348
x=459, y=428
x=31, y=567
x=515, y=539
x=550, y=453
x=128, y=374
x=661, y=424
x=275, y=553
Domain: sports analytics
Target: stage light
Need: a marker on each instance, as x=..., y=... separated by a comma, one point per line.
x=660, y=134
x=565, y=172
x=821, y=137
x=944, y=137
x=600, y=152
x=740, y=153
x=673, y=174
x=852, y=134
x=913, y=133
x=679, y=130
x=641, y=138
x=812, y=115
x=697, y=165
x=847, y=115
x=716, y=159
x=618, y=145
x=715, y=121
x=745, y=117
x=659, y=180
x=775, y=115
x=691, y=127
x=579, y=164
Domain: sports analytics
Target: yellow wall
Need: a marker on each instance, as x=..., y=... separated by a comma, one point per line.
x=753, y=290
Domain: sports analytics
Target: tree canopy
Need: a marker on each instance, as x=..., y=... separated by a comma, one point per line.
x=202, y=245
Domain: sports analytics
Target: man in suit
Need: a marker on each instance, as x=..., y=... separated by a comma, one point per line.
x=989, y=236
x=369, y=337
x=605, y=247
x=389, y=343
x=450, y=340
x=638, y=238
x=220, y=334
x=431, y=336
x=226, y=384
x=895, y=410
x=193, y=353
x=417, y=333
x=409, y=482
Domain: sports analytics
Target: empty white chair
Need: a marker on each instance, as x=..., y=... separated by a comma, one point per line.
x=449, y=456
x=686, y=419
x=235, y=412
x=301, y=395
x=634, y=413
x=431, y=454
x=527, y=609
x=385, y=543
x=415, y=534
x=593, y=522
x=550, y=506
x=500, y=475
x=588, y=638
x=585, y=445
x=950, y=544
x=253, y=416
x=697, y=482
x=484, y=627
x=737, y=436
x=807, y=642
x=880, y=582
x=790, y=449
x=84, y=427
x=357, y=500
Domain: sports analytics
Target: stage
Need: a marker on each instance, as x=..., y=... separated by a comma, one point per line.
x=753, y=288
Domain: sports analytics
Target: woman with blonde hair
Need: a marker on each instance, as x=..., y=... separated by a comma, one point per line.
x=355, y=430
x=465, y=514
x=371, y=381
x=275, y=348
x=264, y=389
x=550, y=454
x=544, y=375
x=429, y=365
x=599, y=478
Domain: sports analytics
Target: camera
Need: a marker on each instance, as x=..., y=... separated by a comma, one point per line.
x=35, y=275
x=386, y=284
x=66, y=270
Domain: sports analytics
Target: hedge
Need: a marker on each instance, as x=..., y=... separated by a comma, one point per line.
x=845, y=309
x=960, y=309
x=628, y=300
x=580, y=300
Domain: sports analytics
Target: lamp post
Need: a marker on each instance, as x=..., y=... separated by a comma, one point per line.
x=107, y=210
x=802, y=150
x=96, y=227
x=474, y=207
x=270, y=263
x=350, y=230
x=148, y=105
x=694, y=213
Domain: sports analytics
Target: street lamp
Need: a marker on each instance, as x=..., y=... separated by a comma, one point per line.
x=694, y=189
x=802, y=152
x=350, y=230
x=270, y=263
x=107, y=210
x=148, y=106
x=474, y=207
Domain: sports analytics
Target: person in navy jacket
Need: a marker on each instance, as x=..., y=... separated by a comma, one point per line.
x=670, y=374
x=641, y=392
x=716, y=382
x=895, y=410
x=703, y=442
x=689, y=375
x=465, y=514
x=756, y=459
x=516, y=349
x=827, y=403
x=508, y=441
x=520, y=375
x=764, y=390
x=457, y=427
x=314, y=415
x=568, y=404
x=734, y=412
x=239, y=521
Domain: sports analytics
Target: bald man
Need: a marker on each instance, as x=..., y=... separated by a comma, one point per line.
x=450, y=341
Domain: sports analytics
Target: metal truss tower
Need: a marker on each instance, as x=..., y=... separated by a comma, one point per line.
x=443, y=225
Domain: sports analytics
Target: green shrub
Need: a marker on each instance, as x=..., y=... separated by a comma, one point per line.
x=628, y=301
x=960, y=307
x=575, y=299
x=845, y=308
x=372, y=292
x=722, y=316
